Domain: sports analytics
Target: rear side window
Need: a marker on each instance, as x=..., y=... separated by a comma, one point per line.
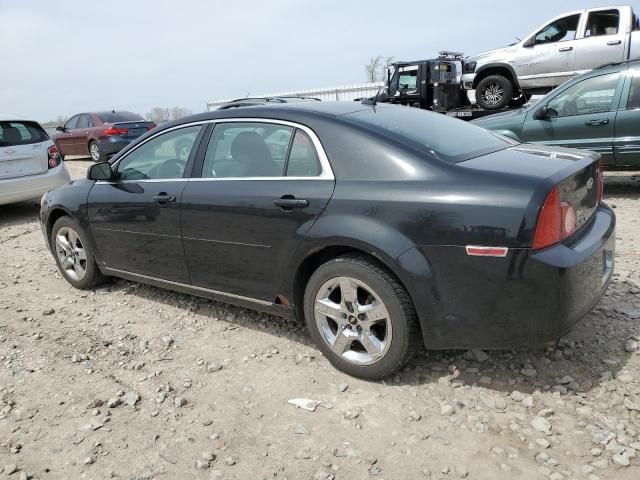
x=113, y=117
x=633, y=101
x=444, y=137
x=303, y=158
x=21, y=133
x=603, y=22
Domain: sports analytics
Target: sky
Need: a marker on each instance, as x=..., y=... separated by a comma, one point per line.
x=68, y=56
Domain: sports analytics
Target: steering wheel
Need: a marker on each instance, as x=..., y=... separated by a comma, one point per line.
x=172, y=168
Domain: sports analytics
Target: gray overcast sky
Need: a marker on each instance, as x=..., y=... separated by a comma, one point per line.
x=62, y=57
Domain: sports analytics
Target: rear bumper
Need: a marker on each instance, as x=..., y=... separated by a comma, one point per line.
x=13, y=190
x=112, y=145
x=524, y=300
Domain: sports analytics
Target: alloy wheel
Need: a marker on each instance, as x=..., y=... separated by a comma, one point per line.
x=353, y=320
x=493, y=94
x=71, y=253
x=94, y=150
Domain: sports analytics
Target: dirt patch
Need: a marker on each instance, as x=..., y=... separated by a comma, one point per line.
x=130, y=381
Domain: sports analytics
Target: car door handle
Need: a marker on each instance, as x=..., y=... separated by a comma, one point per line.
x=565, y=49
x=289, y=202
x=164, y=198
x=614, y=42
x=594, y=123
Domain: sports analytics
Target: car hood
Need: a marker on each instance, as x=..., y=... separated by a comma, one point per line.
x=497, y=55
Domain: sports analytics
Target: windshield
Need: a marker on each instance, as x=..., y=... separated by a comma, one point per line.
x=444, y=137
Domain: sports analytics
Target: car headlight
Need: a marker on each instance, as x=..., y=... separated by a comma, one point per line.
x=469, y=67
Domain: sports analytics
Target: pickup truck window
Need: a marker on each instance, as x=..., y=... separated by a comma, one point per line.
x=603, y=22
x=559, y=30
x=592, y=95
x=633, y=101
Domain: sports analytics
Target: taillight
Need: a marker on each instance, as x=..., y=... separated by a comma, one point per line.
x=54, y=156
x=115, y=131
x=557, y=221
x=151, y=127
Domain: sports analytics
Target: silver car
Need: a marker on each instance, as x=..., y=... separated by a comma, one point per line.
x=30, y=163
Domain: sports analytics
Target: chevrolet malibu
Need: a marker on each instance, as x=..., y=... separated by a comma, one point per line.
x=381, y=226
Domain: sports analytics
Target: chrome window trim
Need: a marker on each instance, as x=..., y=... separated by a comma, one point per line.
x=326, y=174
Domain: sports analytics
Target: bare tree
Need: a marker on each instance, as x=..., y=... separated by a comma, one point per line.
x=158, y=115
x=383, y=71
x=372, y=68
x=178, y=112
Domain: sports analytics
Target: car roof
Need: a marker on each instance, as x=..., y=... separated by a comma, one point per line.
x=15, y=118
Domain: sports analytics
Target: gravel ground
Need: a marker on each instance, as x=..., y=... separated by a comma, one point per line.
x=130, y=381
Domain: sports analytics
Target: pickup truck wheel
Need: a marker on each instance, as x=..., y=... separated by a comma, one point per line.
x=494, y=92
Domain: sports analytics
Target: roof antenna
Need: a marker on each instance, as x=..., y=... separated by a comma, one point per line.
x=113, y=111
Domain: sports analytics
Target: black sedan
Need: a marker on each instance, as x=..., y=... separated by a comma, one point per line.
x=377, y=225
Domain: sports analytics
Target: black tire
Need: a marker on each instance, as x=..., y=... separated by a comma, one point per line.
x=92, y=275
x=494, y=92
x=520, y=100
x=401, y=314
x=96, y=153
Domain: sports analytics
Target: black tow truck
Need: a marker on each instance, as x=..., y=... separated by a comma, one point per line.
x=433, y=84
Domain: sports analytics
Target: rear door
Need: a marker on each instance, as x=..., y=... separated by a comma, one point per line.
x=136, y=218
x=263, y=185
x=603, y=39
x=23, y=149
x=582, y=115
x=626, y=145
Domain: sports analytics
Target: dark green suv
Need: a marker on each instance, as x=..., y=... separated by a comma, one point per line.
x=598, y=111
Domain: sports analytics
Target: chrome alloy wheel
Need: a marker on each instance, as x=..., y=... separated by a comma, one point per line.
x=493, y=94
x=352, y=320
x=71, y=253
x=94, y=150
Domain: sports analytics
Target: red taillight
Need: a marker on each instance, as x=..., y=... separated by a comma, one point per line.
x=557, y=221
x=115, y=131
x=54, y=156
x=151, y=127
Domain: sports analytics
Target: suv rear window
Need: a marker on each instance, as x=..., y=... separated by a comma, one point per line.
x=444, y=137
x=21, y=133
x=111, y=117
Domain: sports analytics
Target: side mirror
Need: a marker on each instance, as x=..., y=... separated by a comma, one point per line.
x=529, y=43
x=542, y=113
x=60, y=129
x=100, y=171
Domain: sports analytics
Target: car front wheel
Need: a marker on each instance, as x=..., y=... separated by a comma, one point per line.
x=494, y=92
x=74, y=255
x=361, y=317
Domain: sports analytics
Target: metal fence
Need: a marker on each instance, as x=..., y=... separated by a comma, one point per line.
x=342, y=93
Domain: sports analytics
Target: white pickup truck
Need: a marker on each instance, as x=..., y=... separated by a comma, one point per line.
x=565, y=46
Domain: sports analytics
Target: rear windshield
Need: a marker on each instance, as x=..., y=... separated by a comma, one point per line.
x=110, y=117
x=21, y=133
x=444, y=137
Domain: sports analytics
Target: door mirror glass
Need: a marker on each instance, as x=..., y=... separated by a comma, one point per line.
x=100, y=171
x=541, y=114
x=60, y=129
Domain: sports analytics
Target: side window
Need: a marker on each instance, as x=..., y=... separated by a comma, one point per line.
x=633, y=101
x=240, y=150
x=160, y=157
x=559, y=30
x=83, y=121
x=72, y=122
x=593, y=95
x=303, y=159
x=603, y=22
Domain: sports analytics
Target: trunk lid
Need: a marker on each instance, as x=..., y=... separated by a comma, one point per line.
x=134, y=128
x=23, y=149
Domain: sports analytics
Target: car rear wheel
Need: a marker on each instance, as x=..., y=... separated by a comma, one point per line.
x=73, y=254
x=361, y=317
x=96, y=152
x=494, y=92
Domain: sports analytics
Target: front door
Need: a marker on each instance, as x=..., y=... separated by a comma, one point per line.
x=81, y=134
x=263, y=185
x=65, y=139
x=603, y=40
x=547, y=59
x=136, y=218
x=626, y=145
x=580, y=116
